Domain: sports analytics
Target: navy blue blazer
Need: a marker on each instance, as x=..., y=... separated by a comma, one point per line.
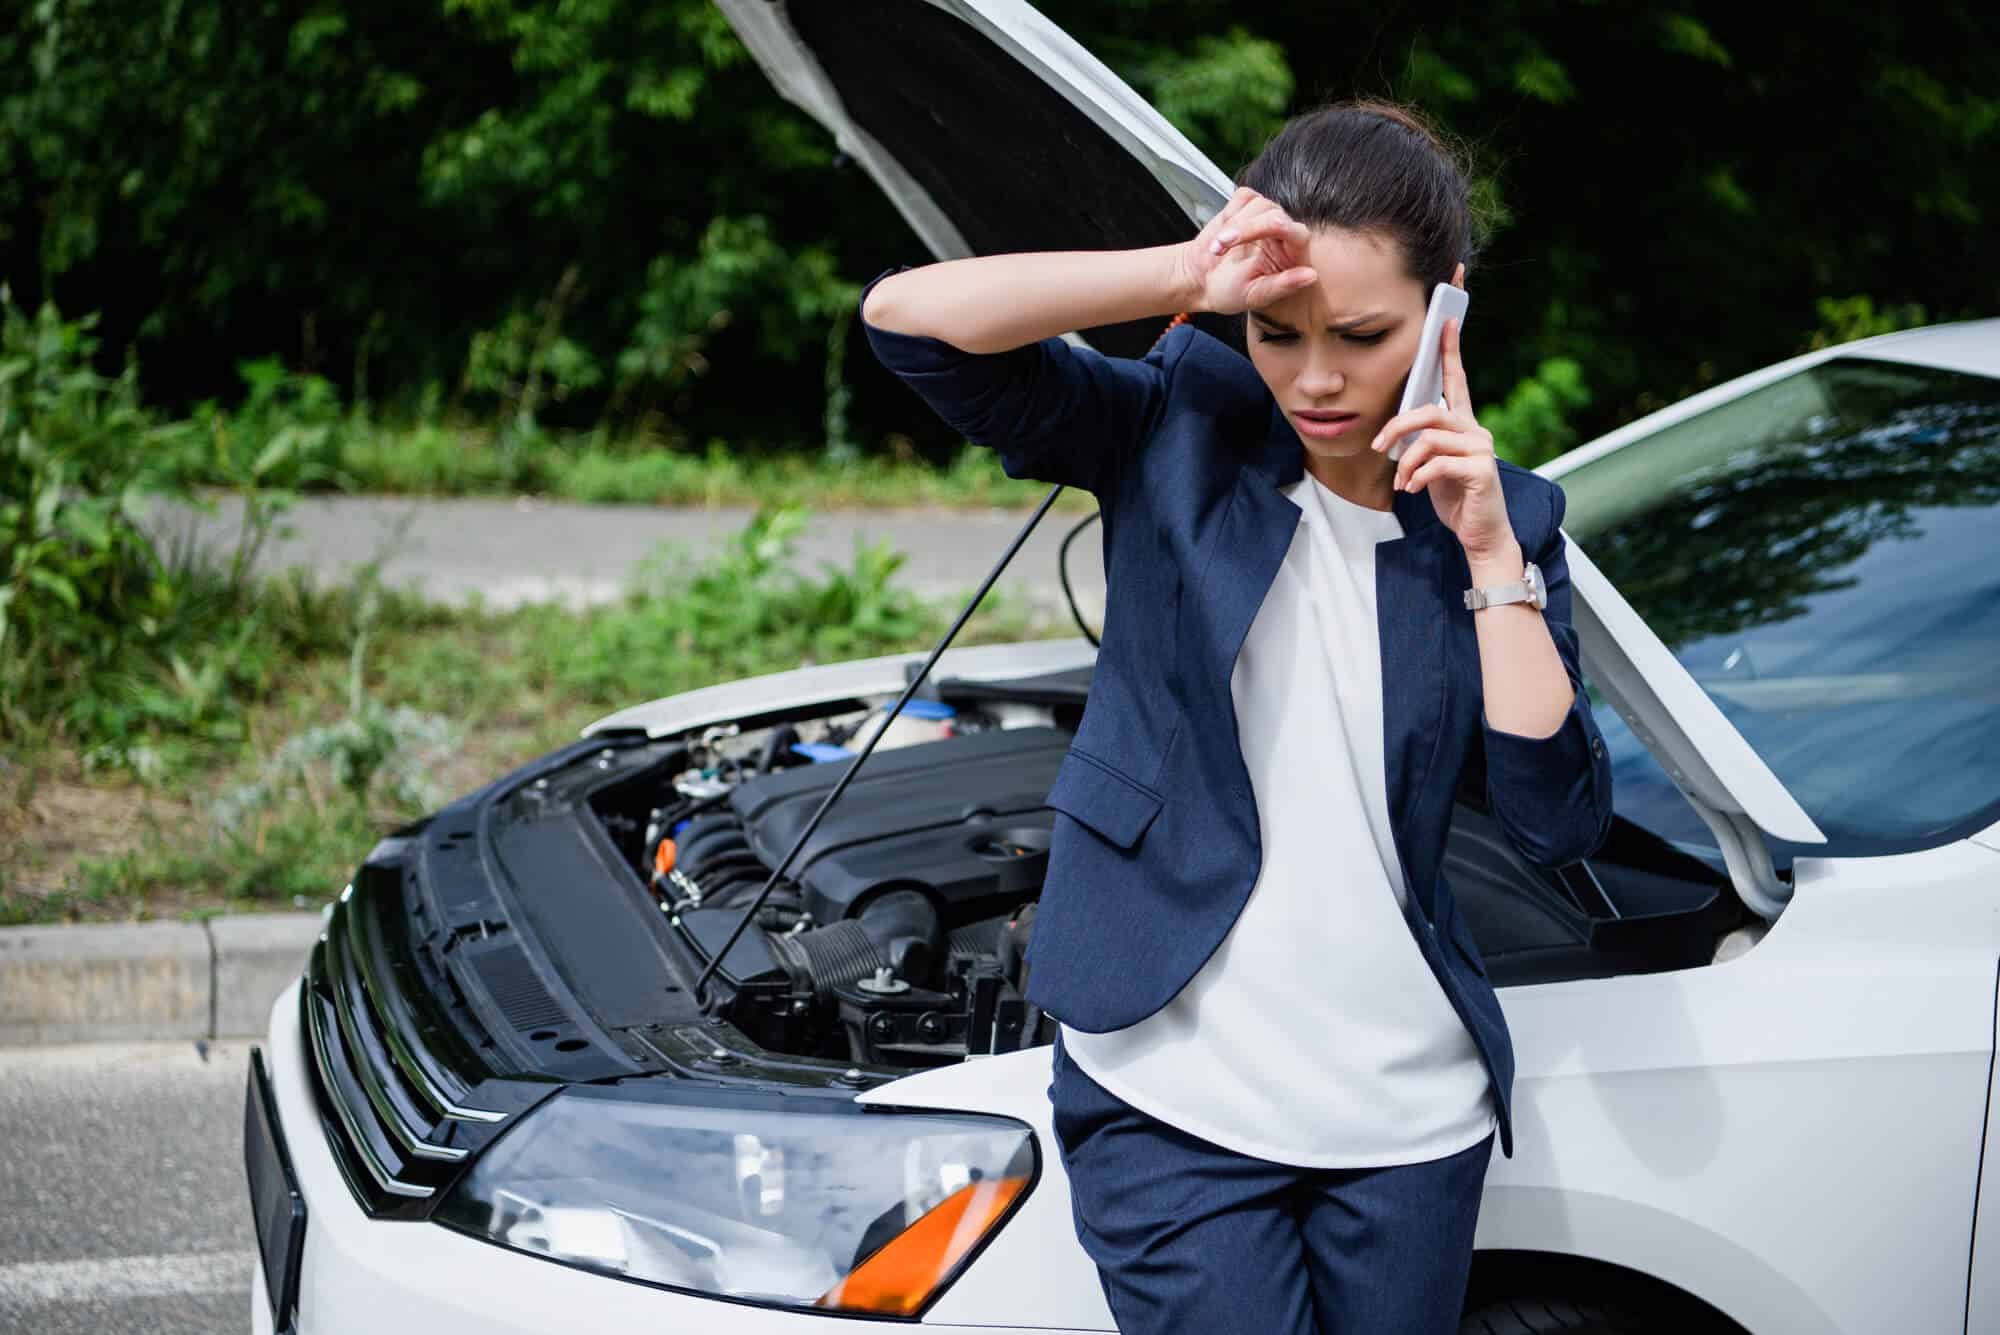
x=1156, y=848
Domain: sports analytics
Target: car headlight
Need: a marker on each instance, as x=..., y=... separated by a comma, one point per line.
x=751, y=1196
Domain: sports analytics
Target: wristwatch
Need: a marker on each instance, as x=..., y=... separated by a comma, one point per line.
x=1527, y=589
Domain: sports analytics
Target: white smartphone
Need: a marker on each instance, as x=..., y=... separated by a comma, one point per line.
x=1426, y=382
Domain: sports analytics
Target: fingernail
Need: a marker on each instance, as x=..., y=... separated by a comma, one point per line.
x=1215, y=247
x=1229, y=236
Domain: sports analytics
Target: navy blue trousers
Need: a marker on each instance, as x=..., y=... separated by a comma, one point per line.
x=1190, y=1236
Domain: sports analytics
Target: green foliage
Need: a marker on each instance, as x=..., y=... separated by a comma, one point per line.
x=1537, y=421
x=581, y=212
x=739, y=269
x=285, y=853
x=743, y=611
x=142, y=657
x=82, y=589
x=526, y=358
x=1228, y=94
x=1843, y=319
x=410, y=689
x=397, y=747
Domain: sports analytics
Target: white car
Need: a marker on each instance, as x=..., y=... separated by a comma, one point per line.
x=1754, y=1032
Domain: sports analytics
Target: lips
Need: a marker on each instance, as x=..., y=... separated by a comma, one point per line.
x=1324, y=424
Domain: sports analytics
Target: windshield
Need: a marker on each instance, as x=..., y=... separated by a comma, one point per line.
x=1823, y=556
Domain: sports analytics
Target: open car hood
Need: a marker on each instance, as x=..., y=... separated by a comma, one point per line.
x=991, y=130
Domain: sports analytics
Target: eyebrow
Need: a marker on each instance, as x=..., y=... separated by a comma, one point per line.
x=1338, y=326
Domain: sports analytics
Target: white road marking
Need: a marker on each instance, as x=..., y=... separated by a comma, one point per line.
x=112, y=1278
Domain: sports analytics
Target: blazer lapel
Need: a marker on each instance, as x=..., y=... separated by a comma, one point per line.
x=1410, y=610
x=1255, y=533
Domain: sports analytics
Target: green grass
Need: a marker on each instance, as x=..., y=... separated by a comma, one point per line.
x=366, y=710
x=435, y=460
x=179, y=735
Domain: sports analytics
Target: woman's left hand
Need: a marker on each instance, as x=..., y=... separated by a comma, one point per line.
x=1453, y=456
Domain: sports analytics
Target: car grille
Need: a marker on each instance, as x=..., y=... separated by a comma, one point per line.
x=400, y=1119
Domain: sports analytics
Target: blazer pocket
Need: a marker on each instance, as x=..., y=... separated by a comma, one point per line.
x=1116, y=808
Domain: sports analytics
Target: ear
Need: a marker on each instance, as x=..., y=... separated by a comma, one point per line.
x=1458, y=275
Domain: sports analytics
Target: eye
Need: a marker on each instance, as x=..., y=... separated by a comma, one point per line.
x=1375, y=337
x=1263, y=337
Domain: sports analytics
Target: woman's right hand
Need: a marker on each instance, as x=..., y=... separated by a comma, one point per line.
x=1249, y=255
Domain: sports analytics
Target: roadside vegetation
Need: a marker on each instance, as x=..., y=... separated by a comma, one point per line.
x=498, y=227
x=181, y=736
x=581, y=249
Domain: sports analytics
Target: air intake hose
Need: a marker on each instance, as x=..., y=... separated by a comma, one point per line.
x=899, y=929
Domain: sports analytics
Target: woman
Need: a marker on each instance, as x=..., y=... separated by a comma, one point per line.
x=1276, y=1090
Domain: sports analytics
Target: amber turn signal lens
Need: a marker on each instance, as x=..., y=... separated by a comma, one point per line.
x=910, y=1266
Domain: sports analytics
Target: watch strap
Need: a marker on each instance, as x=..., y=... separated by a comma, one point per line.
x=1514, y=591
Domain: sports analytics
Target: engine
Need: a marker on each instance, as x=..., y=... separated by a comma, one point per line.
x=899, y=931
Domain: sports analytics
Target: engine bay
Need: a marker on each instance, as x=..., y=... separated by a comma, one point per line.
x=899, y=932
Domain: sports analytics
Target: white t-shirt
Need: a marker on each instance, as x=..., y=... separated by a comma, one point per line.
x=1316, y=1034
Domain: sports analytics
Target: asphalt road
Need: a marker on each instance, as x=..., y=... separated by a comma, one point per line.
x=514, y=551
x=122, y=1202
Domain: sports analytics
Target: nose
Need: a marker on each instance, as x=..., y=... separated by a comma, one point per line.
x=1322, y=377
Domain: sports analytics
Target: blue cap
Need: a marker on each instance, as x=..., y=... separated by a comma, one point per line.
x=821, y=752
x=929, y=709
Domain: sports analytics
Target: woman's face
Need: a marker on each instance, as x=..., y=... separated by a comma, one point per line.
x=1341, y=348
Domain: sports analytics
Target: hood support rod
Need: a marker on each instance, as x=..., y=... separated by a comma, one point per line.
x=778, y=872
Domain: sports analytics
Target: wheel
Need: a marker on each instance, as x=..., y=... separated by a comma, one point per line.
x=1536, y=1315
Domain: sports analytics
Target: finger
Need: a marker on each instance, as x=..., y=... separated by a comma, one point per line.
x=1423, y=415
x=1413, y=458
x=1430, y=446
x=1440, y=466
x=1457, y=396
x=1422, y=477
x=1235, y=204
x=1440, y=441
x=1222, y=218
x=1249, y=224
x=1242, y=199
x=1274, y=222
x=1276, y=287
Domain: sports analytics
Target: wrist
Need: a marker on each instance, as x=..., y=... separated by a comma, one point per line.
x=1501, y=565
x=1181, y=290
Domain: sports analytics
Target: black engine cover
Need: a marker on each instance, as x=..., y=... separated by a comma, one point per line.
x=962, y=819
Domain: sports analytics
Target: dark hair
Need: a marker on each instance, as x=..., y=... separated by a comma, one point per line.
x=1373, y=166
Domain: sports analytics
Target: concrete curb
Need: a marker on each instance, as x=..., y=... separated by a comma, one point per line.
x=155, y=980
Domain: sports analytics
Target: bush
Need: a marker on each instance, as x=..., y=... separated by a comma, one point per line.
x=1536, y=421
x=744, y=611
x=82, y=587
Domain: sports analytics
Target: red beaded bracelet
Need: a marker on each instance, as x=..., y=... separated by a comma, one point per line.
x=1178, y=319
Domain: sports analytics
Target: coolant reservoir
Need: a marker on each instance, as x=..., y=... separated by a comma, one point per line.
x=920, y=721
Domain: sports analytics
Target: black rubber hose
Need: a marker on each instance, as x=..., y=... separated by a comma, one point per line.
x=900, y=929
x=1062, y=572
x=699, y=990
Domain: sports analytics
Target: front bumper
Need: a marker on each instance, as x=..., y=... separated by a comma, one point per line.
x=390, y=1276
